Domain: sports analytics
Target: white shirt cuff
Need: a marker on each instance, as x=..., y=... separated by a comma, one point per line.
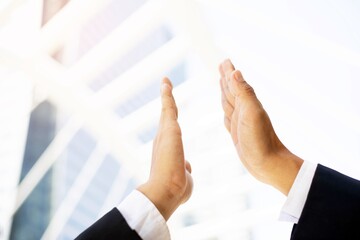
x=143, y=217
x=292, y=209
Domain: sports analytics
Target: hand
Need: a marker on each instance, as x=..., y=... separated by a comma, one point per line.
x=170, y=183
x=255, y=140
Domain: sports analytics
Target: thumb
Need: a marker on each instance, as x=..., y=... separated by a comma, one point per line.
x=239, y=87
x=169, y=109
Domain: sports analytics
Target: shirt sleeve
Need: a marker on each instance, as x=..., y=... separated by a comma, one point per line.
x=292, y=209
x=143, y=217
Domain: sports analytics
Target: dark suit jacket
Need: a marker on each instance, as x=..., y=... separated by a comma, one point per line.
x=111, y=226
x=332, y=208
x=331, y=211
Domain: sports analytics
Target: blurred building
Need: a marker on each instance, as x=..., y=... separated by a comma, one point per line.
x=47, y=198
x=87, y=74
x=32, y=218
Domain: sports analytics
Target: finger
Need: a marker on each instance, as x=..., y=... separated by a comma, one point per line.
x=227, y=107
x=154, y=148
x=225, y=69
x=228, y=68
x=169, y=109
x=221, y=71
x=188, y=167
x=234, y=125
x=227, y=123
x=189, y=188
x=239, y=87
x=225, y=90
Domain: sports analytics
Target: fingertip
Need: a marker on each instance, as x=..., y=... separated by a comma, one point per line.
x=188, y=167
x=166, y=80
x=237, y=75
x=226, y=60
x=166, y=86
x=169, y=108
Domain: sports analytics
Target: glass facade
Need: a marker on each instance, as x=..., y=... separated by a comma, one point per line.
x=32, y=218
x=94, y=71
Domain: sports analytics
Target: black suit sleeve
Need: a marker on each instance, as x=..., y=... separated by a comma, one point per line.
x=332, y=208
x=111, y=226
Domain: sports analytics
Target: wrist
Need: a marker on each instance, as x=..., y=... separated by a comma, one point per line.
x=285, y=169
x=165, y=203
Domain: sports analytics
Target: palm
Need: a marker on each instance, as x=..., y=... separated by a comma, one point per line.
x=253, y=135
x=169, y=165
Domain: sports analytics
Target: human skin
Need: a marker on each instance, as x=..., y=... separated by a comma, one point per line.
x=170, y=183
x=258, y=147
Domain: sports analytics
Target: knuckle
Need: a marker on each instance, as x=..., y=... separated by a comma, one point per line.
x=227, y=108
x=249, y=90
x=228, y=94
x=168, y=108
x=238, y=72
x=172, y=128
x=228, y=76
